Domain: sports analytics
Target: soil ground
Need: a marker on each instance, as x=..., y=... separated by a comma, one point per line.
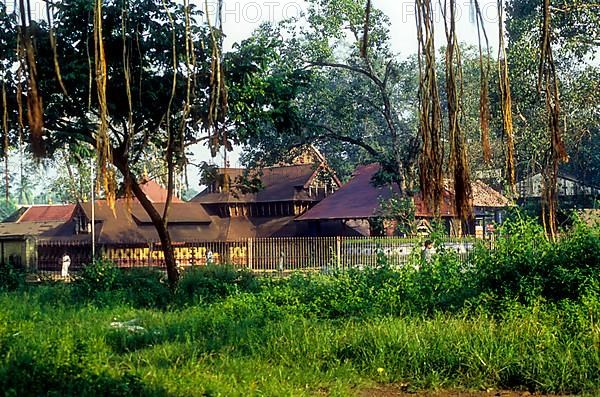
x=398, y=391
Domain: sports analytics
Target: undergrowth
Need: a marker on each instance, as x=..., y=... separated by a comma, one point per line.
x=523, y=316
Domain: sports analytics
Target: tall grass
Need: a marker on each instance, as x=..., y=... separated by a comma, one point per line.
x=523, y=317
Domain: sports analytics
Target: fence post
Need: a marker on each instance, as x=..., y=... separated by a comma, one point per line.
x=338, y=251
x=250, y=253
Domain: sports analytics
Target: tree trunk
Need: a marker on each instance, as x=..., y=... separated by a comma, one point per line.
x=157, y=220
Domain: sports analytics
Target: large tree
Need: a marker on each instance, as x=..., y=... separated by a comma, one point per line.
x=122, y=76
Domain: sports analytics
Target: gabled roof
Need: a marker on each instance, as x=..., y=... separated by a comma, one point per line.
x=11, y=229
x=359, y=199
x=129, y=223
x=485, y=196
x=282, y=183
x=155, y=192
x=47, y=213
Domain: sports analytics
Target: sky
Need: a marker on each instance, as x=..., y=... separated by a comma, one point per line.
x=241, y=17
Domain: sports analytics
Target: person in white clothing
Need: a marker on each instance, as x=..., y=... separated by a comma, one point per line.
x=65, y=263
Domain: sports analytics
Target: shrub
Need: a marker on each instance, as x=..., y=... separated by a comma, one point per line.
x=11, y=277
x=208, y=283
x=526, y=266
x=143, y=287
x=99, y=276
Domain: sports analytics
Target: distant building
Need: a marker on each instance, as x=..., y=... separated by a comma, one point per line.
x=357, y=204
x=19, y=233
x=571, y=191
x=285, y=192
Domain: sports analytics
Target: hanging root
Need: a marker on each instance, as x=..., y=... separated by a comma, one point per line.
x=103, y=145
x=365, y=39
x=506, y=105
x=35, y=111
x=484, y=78
x=458, y=151
x=5, y=142
x=430, y=120
x=218, y=102
x=53, y=47
x=548, y=82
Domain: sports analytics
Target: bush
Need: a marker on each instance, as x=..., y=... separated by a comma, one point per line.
x=144, y=287
x=208, y=283
x=99, y=276
x=526, y=266
x=11, y=278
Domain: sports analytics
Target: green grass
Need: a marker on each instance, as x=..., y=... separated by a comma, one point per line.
x=524, y=316
x=247, y=345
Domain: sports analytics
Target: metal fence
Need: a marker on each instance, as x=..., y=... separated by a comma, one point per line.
x=255, y=254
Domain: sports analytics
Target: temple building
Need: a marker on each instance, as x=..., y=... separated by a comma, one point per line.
x=357, y=205
x=284, y=192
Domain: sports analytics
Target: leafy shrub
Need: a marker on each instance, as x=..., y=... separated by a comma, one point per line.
x=526, y=266
x=99, y=276
x=11, y=277
x=444, y=283
x=208, y=283
x=104, y=283
x=143, y=287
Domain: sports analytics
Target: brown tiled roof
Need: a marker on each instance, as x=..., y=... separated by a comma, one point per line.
x=284, y=183
x=129, y=223
x=359, y=199
x=354, y=200
x=11, y=229
x=486, y=196
x=155, y=192
x=47, y=213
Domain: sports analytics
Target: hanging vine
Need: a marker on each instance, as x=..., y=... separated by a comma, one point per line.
x=365, y=39
x=35, y=112
x=506, y=103
x=5, y=141
x=52, y=36
x=170, y=135
x=190, y=62
x=484, y=79
x=103, y=146
x=548, y=83
x=430, y=120
x=463, y=197
x=218, y=101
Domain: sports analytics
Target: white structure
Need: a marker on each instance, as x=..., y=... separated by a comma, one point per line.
x=566, y=186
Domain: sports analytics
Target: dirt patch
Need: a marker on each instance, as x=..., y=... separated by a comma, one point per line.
x=399, y=391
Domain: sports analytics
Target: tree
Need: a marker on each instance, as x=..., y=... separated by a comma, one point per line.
x=576, y=35
x=125, y=83
x=353, y=106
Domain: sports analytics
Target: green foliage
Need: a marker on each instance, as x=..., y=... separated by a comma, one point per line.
x=11, y=278
x=99, y=276
x=522, y=317
x=7, y=208
x=143, y=288
x=397, y=212
x=526, y=266
x=208, y=283
x=247, y=344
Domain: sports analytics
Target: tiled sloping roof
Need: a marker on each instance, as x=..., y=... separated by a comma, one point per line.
x=11, y=229
x=485, y=196
x=155, y=192
x=129, y=222
x=47, y=213
x=359, y=199
x=283, y=183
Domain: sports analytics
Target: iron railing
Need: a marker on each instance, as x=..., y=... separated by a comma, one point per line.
x=256, y=254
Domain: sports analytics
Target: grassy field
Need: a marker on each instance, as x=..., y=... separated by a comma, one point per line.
x=248, y=345
x=521, y=319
